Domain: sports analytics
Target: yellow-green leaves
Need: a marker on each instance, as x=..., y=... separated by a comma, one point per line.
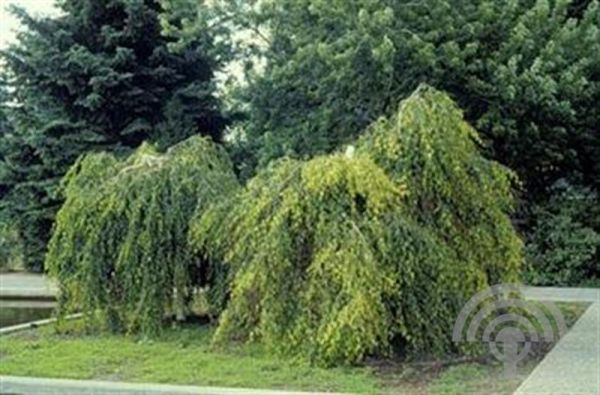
x=320, y=254
x=454, y=191
x=120, y=245
x=344, y=256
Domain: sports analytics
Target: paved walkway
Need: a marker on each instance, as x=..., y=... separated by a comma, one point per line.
x=26, y=286
x=33, y=386
x=572, y=367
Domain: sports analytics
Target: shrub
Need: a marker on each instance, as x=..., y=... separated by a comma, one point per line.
x=119, y=249
x=563, y=246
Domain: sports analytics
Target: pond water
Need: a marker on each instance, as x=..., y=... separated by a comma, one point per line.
x=13, y=313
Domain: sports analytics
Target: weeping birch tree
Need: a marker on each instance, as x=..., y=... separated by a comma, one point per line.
x=326, y=262
x=346, y=256
x=120, y=245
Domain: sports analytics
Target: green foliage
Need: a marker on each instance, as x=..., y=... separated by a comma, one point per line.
x=11, y=249
x=462, y=197
x=335, y=260
x=5, y=123
x=563, y=246
x=119, y=249
x=326, y=76
x=525, y=73
x=311, y=246
x=100, y=76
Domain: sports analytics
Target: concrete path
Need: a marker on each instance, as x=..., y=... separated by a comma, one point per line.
x=558, y=294
x=26, y=286
x=572, y=367
x=33, y=386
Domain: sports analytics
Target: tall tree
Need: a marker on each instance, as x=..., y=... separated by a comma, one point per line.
x=100, y=76
x=6, y=132
x=345, y=256
x=527, y=73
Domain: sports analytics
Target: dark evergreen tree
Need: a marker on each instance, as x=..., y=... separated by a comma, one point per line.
x=9, y=239
x=526, y=72
x=6, y=130
x=5, y=126
x=100, y=76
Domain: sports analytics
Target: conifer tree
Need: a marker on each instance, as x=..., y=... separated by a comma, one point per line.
x=462, y=197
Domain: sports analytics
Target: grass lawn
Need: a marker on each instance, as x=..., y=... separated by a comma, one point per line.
x=181, y=356
x=184, y=356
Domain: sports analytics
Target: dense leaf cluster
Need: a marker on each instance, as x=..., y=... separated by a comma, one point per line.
x=337, y=258
x=527, y=74
x=563, y=247
x=119, y=249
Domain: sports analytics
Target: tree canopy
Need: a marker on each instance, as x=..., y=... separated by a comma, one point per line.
x=100, y=76
x=119, y=250
x=525, y=72
x=563, y=247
